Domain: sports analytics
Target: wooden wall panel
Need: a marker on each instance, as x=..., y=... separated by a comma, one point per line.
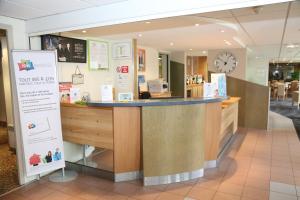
x=173, y=139
x=255, y=99
x=87, y=125
x=127, y=139
x=212, y=130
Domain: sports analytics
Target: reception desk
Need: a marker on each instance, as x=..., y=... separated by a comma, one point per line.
x=169, y=140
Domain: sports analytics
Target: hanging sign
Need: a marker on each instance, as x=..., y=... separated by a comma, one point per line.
x=37, y=91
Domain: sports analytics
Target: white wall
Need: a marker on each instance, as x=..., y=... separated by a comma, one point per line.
x=239, y=53
x=92, y=79
x=152, y=65
x=2, y=97
x=257, y=70
x=17, y=39
x=178, y=56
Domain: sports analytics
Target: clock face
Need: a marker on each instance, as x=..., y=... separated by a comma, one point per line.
x=226, y=62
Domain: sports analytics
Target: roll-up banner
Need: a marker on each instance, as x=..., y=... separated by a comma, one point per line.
x=39, y=110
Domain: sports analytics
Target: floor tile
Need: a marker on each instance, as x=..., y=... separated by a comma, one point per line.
x=146, y=194
x=201, y=193
x=281, y=196
x=256, y=194
x=169, y=196
x=224, y=196
x=178, y=188
x=231, y=189
x=283, y=188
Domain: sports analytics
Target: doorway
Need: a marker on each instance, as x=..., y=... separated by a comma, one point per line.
x=8, y=160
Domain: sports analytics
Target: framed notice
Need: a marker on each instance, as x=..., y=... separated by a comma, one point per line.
x=98, y=55
x=68, y=49
x=121, y=50
x=142, y=60
x=38, y=104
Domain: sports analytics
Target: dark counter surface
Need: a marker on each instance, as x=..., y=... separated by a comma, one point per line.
x=157, y=102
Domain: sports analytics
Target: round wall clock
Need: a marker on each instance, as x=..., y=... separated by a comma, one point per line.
x=225, y=62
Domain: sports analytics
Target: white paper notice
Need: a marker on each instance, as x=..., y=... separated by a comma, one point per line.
x=98, y=55
x=39, y=108
x=209, y=90
x=74, y=95
x=106, y=93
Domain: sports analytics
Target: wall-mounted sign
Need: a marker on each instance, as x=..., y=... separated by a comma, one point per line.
x=68, y=49
x=98, y=57
x=122, y=69
x=121, y=50
x=37, y=94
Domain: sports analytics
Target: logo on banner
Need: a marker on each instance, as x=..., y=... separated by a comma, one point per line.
x=122, y=69
x=25, y=65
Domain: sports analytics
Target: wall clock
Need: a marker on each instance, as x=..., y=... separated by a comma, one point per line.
x=226, y=62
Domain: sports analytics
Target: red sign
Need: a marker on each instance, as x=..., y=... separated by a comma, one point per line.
x=124, y=69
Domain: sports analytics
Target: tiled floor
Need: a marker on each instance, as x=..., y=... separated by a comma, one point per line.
x=260, y=165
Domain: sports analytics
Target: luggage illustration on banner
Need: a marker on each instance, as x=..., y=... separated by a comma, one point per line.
x=38, y=126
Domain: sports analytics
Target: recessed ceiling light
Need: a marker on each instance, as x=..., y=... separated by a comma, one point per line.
x=140, y=35
x=204, y=52
x=84, y=31
x=227, y=42
x=197, y=24
x=147, y=22
x=191, y=49
x=171, y=43
x=222, y=31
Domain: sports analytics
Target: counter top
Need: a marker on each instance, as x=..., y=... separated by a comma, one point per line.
x=226, y=103
x=157, y=102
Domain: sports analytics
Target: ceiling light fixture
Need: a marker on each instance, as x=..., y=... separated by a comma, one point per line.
x=227, y=42
x=171, y=43
x=84, y=31
x=292, y=46
x=197, y=24
x=147, y=22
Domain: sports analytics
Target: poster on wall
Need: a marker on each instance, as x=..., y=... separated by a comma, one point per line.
x=37, y=91
x=68, y=49
x=98, y=57
x=142, y=60
x=121, y=50
x=219, y=79
x=64, y=91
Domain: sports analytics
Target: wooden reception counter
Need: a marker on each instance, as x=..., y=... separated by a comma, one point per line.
x=169, y=140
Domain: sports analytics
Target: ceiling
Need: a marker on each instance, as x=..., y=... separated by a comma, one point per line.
x=260, y=29
x=30, y=9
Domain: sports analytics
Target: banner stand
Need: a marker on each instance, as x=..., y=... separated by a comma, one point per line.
x=63, y=176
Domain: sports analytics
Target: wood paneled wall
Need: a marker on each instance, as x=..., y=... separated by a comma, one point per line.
x=254, y=103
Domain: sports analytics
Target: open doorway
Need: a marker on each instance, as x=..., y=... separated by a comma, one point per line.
x=8, y=160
